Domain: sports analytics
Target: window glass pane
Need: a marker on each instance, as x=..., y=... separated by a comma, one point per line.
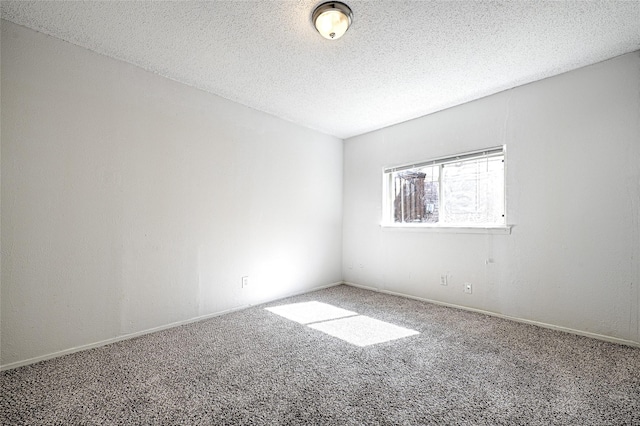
x=473, y=191
x=415, y=195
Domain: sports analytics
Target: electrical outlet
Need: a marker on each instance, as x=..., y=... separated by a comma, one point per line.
x=467, y=288
x=443, y=279
x=245, y=282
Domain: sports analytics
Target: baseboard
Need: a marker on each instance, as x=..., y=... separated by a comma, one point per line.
x=507, y=317
x=239, y=308
x=149, y=331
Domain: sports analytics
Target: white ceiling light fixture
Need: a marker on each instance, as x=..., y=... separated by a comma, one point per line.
x=332, y=19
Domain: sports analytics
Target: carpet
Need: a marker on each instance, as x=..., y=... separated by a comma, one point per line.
x=256, y=367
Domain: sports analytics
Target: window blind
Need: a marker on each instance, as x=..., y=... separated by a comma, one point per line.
x=485, y=153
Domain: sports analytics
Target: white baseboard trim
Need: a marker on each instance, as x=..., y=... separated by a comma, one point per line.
x=507, y=317
x=150, y=330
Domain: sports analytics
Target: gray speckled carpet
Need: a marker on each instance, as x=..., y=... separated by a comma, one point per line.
x=256, y=367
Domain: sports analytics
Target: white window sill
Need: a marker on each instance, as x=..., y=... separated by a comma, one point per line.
x=504, y=230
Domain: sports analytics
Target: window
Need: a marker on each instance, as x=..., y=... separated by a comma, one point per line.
x=464, y=190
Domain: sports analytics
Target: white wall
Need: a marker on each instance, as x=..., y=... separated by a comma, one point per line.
x=573, y=198
x=130, y=201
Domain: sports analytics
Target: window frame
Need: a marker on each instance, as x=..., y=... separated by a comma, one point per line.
x=387, y=202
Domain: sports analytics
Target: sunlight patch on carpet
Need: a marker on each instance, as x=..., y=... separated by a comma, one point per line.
x=310, y=312
x=356, y=329
x=362, y=330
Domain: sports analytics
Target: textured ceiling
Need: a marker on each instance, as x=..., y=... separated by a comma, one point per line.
x=400, y=59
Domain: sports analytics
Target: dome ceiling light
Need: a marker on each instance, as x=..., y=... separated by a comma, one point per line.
x=332, y=19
